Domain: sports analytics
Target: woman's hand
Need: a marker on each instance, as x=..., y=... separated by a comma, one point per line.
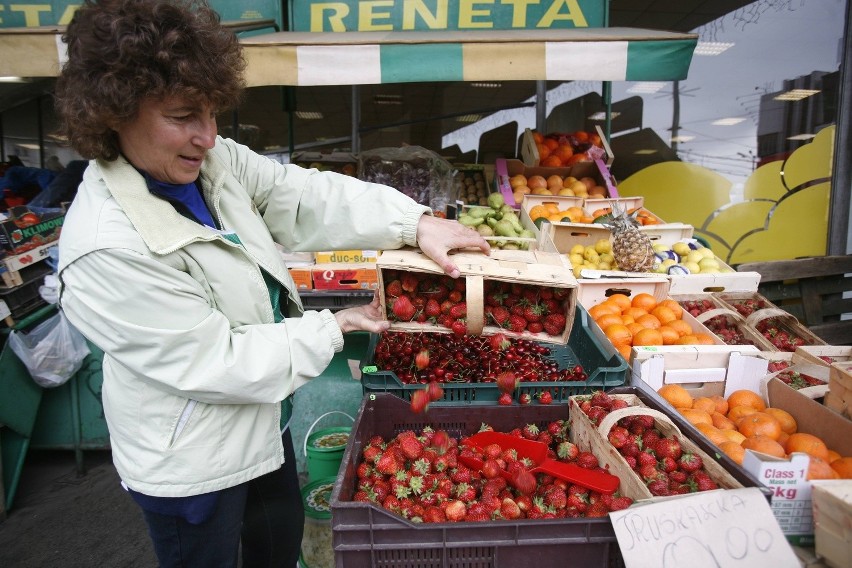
x=363, y=318
x=436, y=237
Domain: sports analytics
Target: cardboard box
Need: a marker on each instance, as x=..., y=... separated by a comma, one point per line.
x=346, y=256
x=528, y=268
x=832, y=511
x=302, y=277
x=560, y=237
x=333, y=276
x=792, y=495
x=24, y=259
x=703, y=370
x=26, y=229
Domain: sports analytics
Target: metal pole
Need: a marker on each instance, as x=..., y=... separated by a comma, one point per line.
x=675, y=114
x=839, y=212
x=541, y=106
x=40, y=123
x=235, y=125
x=356, y=119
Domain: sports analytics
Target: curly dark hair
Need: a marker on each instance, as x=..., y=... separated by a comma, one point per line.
x=121, y=52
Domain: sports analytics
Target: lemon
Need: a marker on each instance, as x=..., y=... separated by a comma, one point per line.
x=577, y=249
x=603, y=246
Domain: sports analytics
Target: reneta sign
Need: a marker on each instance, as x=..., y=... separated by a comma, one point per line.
x=425, y=15
x=24, y=14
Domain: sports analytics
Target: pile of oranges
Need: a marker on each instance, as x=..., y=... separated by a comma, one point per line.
x=642, y=320
x=556, y=151
x=552, y=212
x=744, y=422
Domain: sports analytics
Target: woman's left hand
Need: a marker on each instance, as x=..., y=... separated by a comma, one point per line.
x=363, y=318
x=436, y=237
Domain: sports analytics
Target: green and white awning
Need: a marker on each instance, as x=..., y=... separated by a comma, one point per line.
x=353, y=58
x=602, y=54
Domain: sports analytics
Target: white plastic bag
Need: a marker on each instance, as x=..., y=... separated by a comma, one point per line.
x=52, y=351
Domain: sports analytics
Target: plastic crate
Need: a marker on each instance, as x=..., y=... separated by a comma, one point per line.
x=605, y=367
x=366, y=535
x=25, y=298
x=335, y=300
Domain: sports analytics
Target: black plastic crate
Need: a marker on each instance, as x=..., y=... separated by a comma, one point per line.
x=335, y=300
x=366, y=535
x=25, y=298
x=606, y=369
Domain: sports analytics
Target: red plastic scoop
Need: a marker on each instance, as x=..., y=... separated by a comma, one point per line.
x=537, y=453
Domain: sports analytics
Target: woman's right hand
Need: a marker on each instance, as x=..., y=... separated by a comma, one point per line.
x=363, y=318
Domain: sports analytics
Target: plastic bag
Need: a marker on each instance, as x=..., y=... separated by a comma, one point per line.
x=417, y=172
x=52, y=351
x=49, y=291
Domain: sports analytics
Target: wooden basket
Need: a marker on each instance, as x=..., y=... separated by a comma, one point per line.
x=595, y=439
x=786, y=322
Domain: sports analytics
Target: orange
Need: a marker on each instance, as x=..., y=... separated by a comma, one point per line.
x=733, y=450
x=618, y=334
x=664, y=314
x=782, y=439
x=833, y=456
x=648, y=337
x=635, y=327
x=674, y=306
x=704, y=339
x=537, y=211
x=670, y=335
x=713, y=434
x=764, y=445
x=721, y=422
x=733, y=436
x=625, y=351
x=627, y=320
x=551, y=143
x=537, y=181
x=736, y=413
x=599, y=309
x=788, y=423
x=820, y=469
x=634, y=312
x=696, y=417
x=721, y=404
x=843, y=467
x=745, y=397
x=621, y=300
x=644, y=300
x=704, y=403
x=543, y=150
x=649, y=321
x=759, y=424
x=608, y=319
x=808, y=443
x=681, y=327
x=676, y=395
x=688, y=339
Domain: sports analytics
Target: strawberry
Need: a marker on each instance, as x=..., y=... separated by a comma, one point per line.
x=435, y=391
x=411, y=447
x=659, y=487
x=567, y=451
x=507, y=382
x=432, y=308
x=554, y=324
x=620, y=503
x=524, y=481
x=509, y=509
x=545, y=397
x=587, y=460
x=535, y=327
x=459, y=328
x=387, y=464
x=532, y=313
x=505, y=399
x=393, y=289
x=646, y=457
x=618, y=436
x=525, y=398
x=403, y=309
x=490, y=469
x=421, y=360
x=530, y=431
x=441, y=441
x=668, y=447
x=517, y=323
x=409, y=282
x=600, y=398
x=597, y=510
x=455, y=510
x=556, y=497
x=459, y=310
x=704, y=483
x=668, y=464
x=499, y=342
x=434, y=514
x=420, y=401
x=690, y=462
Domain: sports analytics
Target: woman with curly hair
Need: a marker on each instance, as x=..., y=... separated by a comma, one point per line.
x=168, y=263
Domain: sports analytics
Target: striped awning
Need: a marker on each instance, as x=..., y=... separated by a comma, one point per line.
x=353, y=58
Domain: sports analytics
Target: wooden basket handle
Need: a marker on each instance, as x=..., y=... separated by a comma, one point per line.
x=710, y=314
x=475, y=297
x=766, y=313
x=613, y=417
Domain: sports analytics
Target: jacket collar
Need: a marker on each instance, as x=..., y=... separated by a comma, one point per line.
x=160, y=225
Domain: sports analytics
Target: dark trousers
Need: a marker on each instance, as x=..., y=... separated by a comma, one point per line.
x=266, y=514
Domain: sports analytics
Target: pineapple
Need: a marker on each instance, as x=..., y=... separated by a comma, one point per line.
x=631, y=248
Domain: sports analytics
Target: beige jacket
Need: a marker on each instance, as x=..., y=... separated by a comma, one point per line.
x=195, y=368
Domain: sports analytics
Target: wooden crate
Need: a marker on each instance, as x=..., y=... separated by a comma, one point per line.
x=839, y=395
x=536, y=268
x=750, y=335
x=783, y=321
x=589, y=437
x=797, y=364
x=832, y=506
x=832, y=353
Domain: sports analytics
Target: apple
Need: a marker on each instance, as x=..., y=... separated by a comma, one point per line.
x=681, y=248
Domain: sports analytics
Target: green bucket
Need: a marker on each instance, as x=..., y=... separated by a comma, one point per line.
x=317, y=548
x=324, y=448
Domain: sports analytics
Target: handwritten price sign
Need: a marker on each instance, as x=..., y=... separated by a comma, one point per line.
x=730, y=528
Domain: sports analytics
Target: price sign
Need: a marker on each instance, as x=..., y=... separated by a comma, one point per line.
x=728, y=528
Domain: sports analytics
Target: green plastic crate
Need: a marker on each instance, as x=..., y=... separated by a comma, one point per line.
x=605, y=367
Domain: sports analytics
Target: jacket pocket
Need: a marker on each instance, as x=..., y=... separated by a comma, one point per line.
x=183, y=420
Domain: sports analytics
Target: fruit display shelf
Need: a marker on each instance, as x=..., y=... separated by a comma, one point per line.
x=725, y=323
x=604, y=367
x=366, y=535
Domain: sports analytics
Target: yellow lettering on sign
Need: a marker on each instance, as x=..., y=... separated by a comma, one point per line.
x=368, y=14
x=336, y=12
x=553, y=13
x=519, y=11
x=413, y=8
x=31, y=13
x=68, y=14
x=467, y=13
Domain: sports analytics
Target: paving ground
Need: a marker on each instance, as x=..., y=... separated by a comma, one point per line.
x=65, y=520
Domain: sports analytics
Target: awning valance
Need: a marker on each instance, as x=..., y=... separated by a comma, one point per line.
x=306, y=59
